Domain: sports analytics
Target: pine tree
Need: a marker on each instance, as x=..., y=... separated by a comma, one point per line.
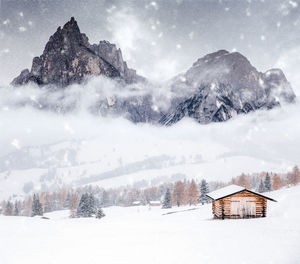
x=91, y=205
x=87, y=206
x=203, y=190
x=37, y=208
x=268, y=186
x=82, y=207
x=16, y=209
x=100, y=213
x=167, y=202
x=261, y=187
x=67, y=201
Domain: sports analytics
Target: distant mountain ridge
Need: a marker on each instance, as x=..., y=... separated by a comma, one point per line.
x=216, y=88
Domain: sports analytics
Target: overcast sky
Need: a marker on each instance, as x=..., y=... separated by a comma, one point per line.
x=158, y=38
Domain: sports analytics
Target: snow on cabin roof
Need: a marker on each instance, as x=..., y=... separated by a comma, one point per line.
x=220, y=193
x=154, y=202
x=232, y=189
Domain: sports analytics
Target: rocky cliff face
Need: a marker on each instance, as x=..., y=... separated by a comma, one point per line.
x=69, y=57
x=217, y=87
x=221, y=85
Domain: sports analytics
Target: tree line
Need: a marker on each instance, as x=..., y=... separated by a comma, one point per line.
x=88, y=201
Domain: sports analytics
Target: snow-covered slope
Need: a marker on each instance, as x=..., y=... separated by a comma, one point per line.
x=115, y=152
x=145, y=235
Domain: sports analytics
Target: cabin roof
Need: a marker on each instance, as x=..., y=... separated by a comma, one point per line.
x=231, y=190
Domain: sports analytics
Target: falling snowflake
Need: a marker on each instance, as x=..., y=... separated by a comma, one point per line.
x=16, y=143
x=111, y=9
x=152, y=5
x=182, y=78
x=5, y=51
x=22, y=29
x=191, y=35
x=248, y=13
x=213, y=86
x=6, y=22
x=178, y=46
x=294, y=4
x=68, y=128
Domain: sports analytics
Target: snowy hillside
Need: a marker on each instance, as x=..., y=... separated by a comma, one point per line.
x=146, y=235
x=115, y=153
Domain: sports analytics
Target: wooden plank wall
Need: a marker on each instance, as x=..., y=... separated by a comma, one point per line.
x=225, y=204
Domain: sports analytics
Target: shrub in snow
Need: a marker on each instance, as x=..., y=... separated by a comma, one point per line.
x=100, y=213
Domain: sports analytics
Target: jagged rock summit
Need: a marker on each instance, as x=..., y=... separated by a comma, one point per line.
x=217, y=87
x=221, y=85
x=68, y=58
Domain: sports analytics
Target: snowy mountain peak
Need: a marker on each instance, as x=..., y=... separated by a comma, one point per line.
x=69, y=58
x=221, y=85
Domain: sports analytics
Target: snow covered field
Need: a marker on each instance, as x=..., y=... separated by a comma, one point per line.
x=143, y=235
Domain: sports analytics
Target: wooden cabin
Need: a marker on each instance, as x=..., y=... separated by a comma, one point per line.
x=238, y=202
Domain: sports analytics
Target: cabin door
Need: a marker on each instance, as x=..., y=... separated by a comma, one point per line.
x=243, y=207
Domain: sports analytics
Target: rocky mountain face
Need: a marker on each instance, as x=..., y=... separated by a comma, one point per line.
x=217, y=87
x=69, y=58
x=221, y=85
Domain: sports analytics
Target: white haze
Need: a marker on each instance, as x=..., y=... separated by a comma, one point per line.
x=266, y=135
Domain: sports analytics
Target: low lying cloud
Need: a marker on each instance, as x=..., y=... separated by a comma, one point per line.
x=270, y=134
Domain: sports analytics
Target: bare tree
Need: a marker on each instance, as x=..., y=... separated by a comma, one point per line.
x=178, y=193
x=192, y=193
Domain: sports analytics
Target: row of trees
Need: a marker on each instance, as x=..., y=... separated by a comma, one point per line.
x=186, y=192
x=265, y=181
x=87, y=207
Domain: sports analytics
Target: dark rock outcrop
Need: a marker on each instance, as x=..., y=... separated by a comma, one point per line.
x=221, y=85
x=69, y=58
